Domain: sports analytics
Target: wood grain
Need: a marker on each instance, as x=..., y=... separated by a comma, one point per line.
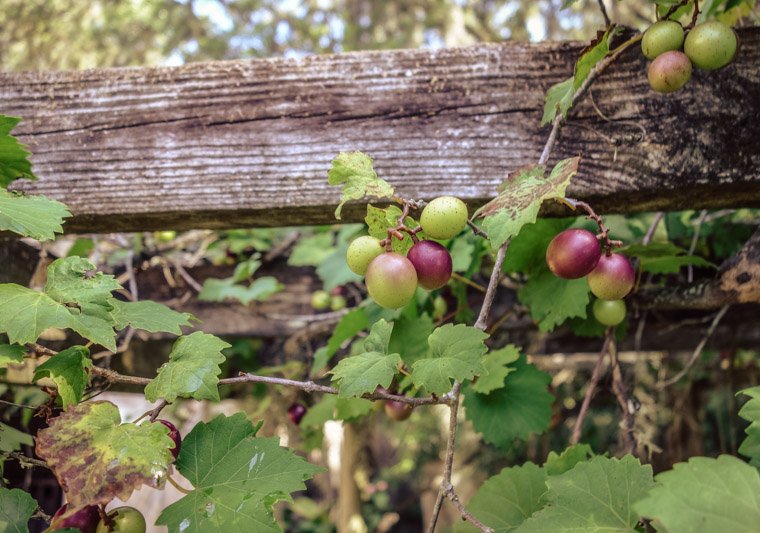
x=248, y=143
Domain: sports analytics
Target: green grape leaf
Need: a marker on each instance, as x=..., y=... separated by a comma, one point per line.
x=552, y=300
x=237, y=478
x=527, y=250
x=354, y=170
x=68, y=282
x=32, y=216
x=69, y=369
x=380, y=220
x=364, y=372
x=457, y=353
x=13, y=155
x=351, y=408
x=192, y=370
x=97, y=458
x=559, y=97
x=218, y=290
x=521, y=196
x=592, y=54
x=16, y=508
x=495, y=363
x=320, y=412
x=26, y=313
x=523, y=406
x=751, y=413
x=559, y=464
x=507, y=499
x=410, y=337
x=662, y=257
x=350, y=324
x=11, y=439
x=11, y=353
x=705, y=494
x=148, y=315
x=312, y=250
x=594, y=496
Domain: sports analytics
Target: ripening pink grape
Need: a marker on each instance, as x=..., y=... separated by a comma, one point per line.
x=432, y=262
x=391, y=280
x=573, y=253
x=612, y=278
x=85, y=519
x=174, y=435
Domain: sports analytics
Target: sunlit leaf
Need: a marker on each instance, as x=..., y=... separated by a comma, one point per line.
x=14, y=162
x=354, y=170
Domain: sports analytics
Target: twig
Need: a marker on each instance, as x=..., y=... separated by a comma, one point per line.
x=466, y=281
x=652, y=228
x=20, y=405
x=187, y=277
x=24, y=461
x=466, y=515
x=608, y=337
x=491, y=290
x=626, y=405
x=603, y=9
x=694, y=240
x=477, y=230
x=697, y=350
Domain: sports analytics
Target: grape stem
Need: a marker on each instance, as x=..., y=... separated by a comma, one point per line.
x=603, y=234
x=608, y=336
x=396, y=232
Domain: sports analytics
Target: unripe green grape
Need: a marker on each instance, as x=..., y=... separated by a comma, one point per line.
x=337, y=302
x=662, y=37
x=710, y=45
x=320, y=300
x=126, y=520
x=439, y=307
x=669, y=72
x=361, y=252
x=609, y=312
x=444, y=217
x=391, y=280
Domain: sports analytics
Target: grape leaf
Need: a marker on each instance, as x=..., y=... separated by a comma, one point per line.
x=559, y=464
x=237, y=478
x=751, y=413
x=410, y=337
x=11, y=439
x=520, y=198
x=148, y=315
x=96, y=458
x=69, y=369
x=218, y=290
x=523, y=406
x=354, y=170
x=552, y=300
x=16, y=508
x=33, y=216
x=594, y=496
x=505, y=500
x=495, y=363
x=26, y=313
x=527, y=250
x=350, y=324
x=192, y=370
x=662, y=257
x=312, y=250
x=13, y=156
x=351, y=408
x=592, y=54
x=380, y=220
x=457, y=353
x=68, y=282
x=705, y=494
x=559, y=97
x=11, y=353
x=364, y=372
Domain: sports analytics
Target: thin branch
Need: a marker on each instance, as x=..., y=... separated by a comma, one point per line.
x=491, y=290
x=697, y=350
x=477, y=230
x=187, y=277
x=626, y=405
x=652, y=228
x=603, y=9
x=466, y=515
x=694, y=240
x=24, y=461
x=608, y=338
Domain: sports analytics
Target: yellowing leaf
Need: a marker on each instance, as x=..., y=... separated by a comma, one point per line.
x=354, y=170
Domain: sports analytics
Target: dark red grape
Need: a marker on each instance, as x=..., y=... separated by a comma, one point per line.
x=398, y=410
x=432, y=262
x=85, y=519
x=296, y=412
x=174, y=435
x=391, y=280
x=573, y=253
x=612, y=278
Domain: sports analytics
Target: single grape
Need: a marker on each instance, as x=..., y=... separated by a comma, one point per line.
x=125, y=520
x=391, y=280
x=296, y=412
x=440, y=307
x=612, y=278
x=669, y=72
x=573, y=253
x=85, y=519
x=337, y=302
x=662, y=37
x=361, y=252
x=398, y=410
x=609, y=312
x=444, y=217
x=710, y=45
x=432, y=262
x=174, y=435
x=320, y=300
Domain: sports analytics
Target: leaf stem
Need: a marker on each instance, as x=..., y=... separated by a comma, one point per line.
x=177, y=486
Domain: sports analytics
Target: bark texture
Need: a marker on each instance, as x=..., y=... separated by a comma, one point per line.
x=248, y=143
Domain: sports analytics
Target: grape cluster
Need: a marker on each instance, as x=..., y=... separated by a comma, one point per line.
x=575, y=253
x=392, y=278
x=709, y=46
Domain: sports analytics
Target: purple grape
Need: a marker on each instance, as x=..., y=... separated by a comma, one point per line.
x=432, y=262
x=174, y=435
x=85, y=519
x=296, y=412
x=573, y=253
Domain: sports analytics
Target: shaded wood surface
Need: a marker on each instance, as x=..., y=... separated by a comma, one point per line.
x=248, y=143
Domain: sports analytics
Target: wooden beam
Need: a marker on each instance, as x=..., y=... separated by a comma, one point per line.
x=248, y=143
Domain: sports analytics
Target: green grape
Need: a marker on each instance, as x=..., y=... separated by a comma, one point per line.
x=662, y=37
x=710, y=45
x=444, y=217
x=391, y=280
x=337, y=302
x=125, y=520
x=439, y=307
x=320, y=300
x=361, y=252
x=609, y=312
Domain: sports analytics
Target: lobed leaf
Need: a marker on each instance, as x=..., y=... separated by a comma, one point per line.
x=32, y=216
x=380, y=221
x=559, y=464
x=552, y=299
x=14, y=162
x=11, y=439
x=11, y=353
x=751, y=413
x=69, y=369
x=496, y=364
x=148, y=315
x=16, y=508
x=354, y=170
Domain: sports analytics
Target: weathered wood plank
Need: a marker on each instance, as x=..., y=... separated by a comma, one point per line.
x=248, y=143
